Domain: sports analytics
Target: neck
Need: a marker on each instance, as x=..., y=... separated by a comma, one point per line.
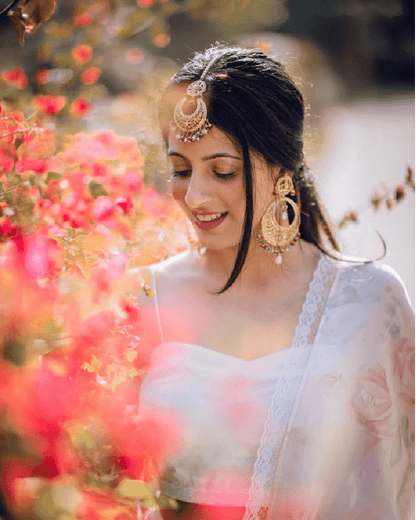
x=260, y=268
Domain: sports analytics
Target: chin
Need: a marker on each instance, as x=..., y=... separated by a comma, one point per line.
x=215, y=245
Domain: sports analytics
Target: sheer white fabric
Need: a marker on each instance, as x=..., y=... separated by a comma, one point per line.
x=221, y=404
x=338, y=437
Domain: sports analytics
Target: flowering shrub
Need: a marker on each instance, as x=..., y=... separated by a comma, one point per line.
x=74, y=342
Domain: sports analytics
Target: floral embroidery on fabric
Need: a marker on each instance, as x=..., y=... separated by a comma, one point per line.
x=372, y=402
x=403, y=363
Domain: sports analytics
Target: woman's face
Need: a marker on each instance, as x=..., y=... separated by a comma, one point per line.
x=207, y=180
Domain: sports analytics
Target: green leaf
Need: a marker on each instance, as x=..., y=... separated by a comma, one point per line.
x=18, y=142
x=145, y=494
x=137, y=21
x=97, y=189
x=53, y=176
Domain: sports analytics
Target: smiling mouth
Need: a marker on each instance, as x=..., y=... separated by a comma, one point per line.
x=209, y=217
x=209, y=221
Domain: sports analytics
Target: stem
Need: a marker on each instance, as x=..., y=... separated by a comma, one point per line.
x=9, y=8
x=2, y=193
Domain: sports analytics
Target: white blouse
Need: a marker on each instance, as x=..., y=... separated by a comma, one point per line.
x=323, y=430
x=220, y=403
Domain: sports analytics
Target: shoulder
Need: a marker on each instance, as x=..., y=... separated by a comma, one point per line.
x=168, y=274
x=380, y=276
x=177, y=265
x=176, y=271
x=370, y=282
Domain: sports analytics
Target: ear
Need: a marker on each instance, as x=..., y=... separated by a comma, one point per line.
x=276, y=172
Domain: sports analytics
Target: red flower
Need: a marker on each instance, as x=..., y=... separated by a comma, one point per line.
x=15, y=77
x=6, y=162
x=50, y=105
x=144, y=3
x=90, y=75
x=38, y=166
x=82, y=20
x=80, y=107
x=161, y=40
x=82, y=53
x=8, y=229
x=42, y=76
x=131, y=309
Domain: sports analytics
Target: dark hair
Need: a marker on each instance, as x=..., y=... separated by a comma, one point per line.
x=252, y=99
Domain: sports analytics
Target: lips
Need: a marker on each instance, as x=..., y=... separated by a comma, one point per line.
x=205, y=220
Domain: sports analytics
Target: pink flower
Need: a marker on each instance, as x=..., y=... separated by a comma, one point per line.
x=155, y=204
x=372, y=402
x=42, y=256
x=134, y=56
x=133, y=180
x=103, y=208
x=403, y=363
x=99, y=170
x=125, y=203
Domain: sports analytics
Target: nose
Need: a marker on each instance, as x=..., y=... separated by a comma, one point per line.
x=198, y=192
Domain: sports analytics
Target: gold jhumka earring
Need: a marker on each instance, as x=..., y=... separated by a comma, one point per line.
x=274, y=237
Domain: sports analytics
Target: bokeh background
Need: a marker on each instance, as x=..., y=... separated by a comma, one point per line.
x=353, y=60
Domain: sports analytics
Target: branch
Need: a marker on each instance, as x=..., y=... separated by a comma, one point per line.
x=9, y=8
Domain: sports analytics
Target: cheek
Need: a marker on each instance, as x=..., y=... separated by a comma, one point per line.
x=177, y=190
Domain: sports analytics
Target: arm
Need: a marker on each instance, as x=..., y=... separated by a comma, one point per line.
x=383, y=403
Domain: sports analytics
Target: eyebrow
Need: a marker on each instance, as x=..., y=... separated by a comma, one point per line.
x=206, y=157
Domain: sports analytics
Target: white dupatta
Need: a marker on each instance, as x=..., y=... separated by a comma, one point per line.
x=346, y=451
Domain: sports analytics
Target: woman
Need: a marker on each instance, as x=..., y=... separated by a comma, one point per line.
x=288, y=370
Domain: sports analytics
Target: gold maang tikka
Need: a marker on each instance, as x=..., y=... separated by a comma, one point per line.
x=274, y=237
x=190, y=116
x=192, y=127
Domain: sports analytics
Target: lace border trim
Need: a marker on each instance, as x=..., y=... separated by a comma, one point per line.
x=277, y=420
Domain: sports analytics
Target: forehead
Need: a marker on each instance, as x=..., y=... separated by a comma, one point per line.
x=215, y=141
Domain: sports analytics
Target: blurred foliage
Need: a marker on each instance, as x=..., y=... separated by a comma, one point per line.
x=382, y=196
x=74, y=342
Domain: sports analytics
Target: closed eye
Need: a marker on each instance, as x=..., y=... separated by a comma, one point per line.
x=224, y=175
x=186, y=173
x=181, y=173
